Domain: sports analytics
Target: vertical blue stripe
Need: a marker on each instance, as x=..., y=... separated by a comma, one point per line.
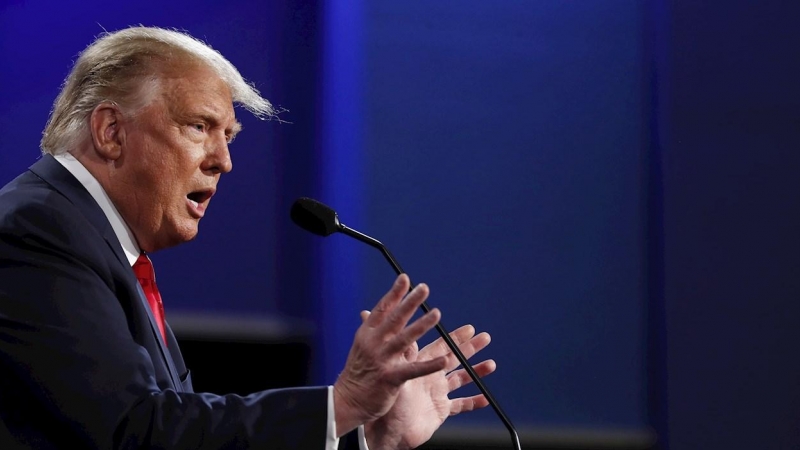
x=658, y=21
x=341, y=167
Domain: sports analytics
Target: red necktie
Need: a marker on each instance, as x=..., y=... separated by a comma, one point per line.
x=143, y=268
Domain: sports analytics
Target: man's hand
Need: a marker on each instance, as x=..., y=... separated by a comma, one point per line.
x=384, y=357
x=423, y=404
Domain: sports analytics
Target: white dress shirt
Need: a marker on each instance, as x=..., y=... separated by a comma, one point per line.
x=132, y=252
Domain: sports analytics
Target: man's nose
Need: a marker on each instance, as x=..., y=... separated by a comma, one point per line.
x=219, y=157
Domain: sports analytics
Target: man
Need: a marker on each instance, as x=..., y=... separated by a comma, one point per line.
x=135, y=145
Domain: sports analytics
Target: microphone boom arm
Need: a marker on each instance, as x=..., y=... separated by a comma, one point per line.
x=439, y=328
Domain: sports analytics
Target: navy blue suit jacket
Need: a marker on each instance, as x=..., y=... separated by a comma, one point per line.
x=82, y=364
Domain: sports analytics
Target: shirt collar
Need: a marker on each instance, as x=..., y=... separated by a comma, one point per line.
x=121, y=229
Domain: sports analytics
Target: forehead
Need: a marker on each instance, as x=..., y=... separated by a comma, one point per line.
x=197, y=90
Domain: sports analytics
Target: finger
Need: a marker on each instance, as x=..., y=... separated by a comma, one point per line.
x=364, y=316
x=460, y=377
x=419, y=369
x=399, y=317
x=388, y=302
x=411, y=333
x=466, y=404
x=439, y=346
x=469, y=349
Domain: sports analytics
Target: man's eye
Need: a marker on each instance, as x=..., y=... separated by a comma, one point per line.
x=199, y=126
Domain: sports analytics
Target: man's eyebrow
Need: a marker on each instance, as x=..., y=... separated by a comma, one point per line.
x=235, y=129
x=212, y=121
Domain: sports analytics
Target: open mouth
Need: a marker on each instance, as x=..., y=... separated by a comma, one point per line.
x=200, y=197
x=198, y=201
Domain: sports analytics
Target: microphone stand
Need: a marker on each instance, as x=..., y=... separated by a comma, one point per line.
x=442, y=332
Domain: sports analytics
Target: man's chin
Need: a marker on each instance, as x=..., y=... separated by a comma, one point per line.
x=187, y=234
x=177, y=237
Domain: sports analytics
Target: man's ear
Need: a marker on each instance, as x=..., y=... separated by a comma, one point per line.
x=107, y=136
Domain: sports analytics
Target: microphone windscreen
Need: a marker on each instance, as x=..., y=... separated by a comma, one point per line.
x=314, y=216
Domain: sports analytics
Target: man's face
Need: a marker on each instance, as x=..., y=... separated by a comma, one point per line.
x=173, y=153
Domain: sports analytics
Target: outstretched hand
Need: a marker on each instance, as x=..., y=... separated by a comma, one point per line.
x=384, y=357
x=423, y=403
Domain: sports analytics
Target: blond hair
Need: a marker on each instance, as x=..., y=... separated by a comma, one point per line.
x=121, y=66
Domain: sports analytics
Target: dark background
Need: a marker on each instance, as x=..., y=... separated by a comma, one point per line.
x=608, y=187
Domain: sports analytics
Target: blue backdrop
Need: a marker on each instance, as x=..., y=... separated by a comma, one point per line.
x=504, y=166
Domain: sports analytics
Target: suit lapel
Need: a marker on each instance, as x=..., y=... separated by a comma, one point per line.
x=57, y=176
x=52, y=172
x=164, y=351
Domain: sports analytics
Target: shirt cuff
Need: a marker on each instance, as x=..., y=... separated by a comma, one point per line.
x=362, y=438
x=331, y=441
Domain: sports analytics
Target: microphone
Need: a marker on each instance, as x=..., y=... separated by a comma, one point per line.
x=321, y=220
